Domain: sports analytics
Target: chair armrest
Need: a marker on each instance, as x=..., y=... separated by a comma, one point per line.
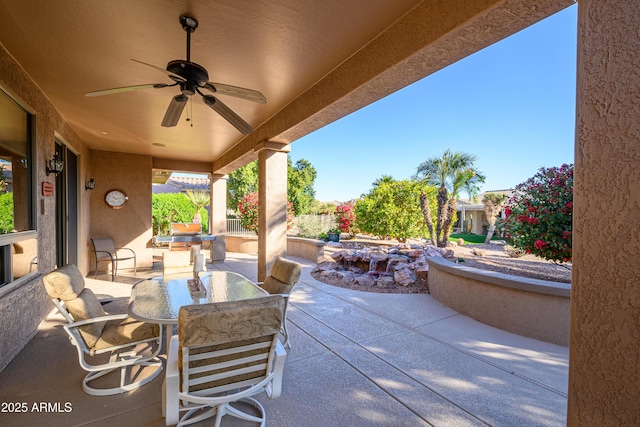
x=278, y=369
x=97, y=319
x=171, y=385
x=133, y=254
x=106, y=252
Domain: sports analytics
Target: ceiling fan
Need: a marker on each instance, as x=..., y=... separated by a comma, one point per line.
x=192, y=78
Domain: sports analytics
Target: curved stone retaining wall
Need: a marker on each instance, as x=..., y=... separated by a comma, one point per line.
x=310, y=249
x=533, y=308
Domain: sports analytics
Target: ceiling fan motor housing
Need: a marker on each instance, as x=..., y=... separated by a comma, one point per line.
x=188, y=70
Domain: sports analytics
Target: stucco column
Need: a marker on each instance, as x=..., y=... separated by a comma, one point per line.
x=218, y=216
x=272, y=204
x=604, y=373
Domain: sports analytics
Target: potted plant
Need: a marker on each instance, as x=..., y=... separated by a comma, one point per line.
x=333, y=235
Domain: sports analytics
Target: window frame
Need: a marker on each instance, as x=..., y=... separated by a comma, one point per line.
x=7, y=240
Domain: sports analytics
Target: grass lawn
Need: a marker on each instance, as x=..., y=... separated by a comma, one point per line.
x=470, y=239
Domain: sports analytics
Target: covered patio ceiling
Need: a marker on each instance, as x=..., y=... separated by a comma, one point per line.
x=314, y=61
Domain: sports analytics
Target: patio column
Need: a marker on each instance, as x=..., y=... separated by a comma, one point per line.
x=272, y=205
x=604, y=379
x=218, y=216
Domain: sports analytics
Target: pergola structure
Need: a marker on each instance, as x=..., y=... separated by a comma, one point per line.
x=315, y=62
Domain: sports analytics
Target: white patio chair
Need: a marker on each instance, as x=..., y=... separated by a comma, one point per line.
x=224, y=353
x=105, y=251
x=283, y=277
x=96, y=334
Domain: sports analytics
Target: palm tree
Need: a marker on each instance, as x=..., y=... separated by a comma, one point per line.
x=199, y=199
x=451, y=173
x=492, y=205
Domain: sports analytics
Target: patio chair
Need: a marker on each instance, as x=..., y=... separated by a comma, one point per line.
x=283, y=277
x=105, y=251
x=224, y=353
x=97, y=335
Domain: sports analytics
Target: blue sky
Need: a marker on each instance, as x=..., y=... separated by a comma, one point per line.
x=511, y=104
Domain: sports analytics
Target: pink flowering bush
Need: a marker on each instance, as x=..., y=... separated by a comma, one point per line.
x=345, y=218
x=248, y=212
x=539, y=216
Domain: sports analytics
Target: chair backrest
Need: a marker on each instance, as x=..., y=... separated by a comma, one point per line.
x=66, y=288
x=283, y=276
x=228, y=346
x=104, y=244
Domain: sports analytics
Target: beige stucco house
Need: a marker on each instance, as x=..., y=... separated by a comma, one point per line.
x=315, y=62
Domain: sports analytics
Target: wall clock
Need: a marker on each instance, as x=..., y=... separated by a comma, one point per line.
x=115, y=198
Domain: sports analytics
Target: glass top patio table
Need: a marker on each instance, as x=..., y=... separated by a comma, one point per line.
x=158, y=300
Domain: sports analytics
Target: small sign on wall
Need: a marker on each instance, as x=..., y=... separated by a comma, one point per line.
x=47, y=189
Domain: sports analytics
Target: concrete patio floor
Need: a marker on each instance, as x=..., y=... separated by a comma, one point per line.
x=358, y=359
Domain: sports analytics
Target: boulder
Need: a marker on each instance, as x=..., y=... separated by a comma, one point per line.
x=404, y=277
x=385, y=281
x=364, y=280
x=337, y=256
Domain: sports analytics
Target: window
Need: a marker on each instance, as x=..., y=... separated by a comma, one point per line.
x=18, y=243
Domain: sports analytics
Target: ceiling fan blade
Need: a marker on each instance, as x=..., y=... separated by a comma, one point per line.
x=228, y=114
x=238, y=92
x=168, y=73
x=127, y=89
x=174, y=111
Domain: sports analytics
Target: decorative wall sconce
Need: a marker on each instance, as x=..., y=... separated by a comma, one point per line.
x=55, y=165
x=90, y=185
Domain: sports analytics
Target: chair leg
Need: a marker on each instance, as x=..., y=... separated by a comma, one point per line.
x=124, y=385
x=285, y=333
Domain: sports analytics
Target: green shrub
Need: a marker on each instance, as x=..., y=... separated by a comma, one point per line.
x=392, y=209
x=174, y=207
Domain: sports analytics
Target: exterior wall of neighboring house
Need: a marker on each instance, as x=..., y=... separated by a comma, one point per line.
x=177, y=184
x=472, y=218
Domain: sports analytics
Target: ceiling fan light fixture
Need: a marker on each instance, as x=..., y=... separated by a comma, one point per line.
x=174, y=111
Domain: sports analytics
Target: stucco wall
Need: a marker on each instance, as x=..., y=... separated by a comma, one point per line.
x=24, y=304
x=604, y=364
x=528, y=307
x=131, y=225
x=310, y=249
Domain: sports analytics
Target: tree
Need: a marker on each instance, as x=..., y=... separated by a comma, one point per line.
x=248, y=212
x=450, y=173
x=492, y=205
x=345, y=218
x=392, y=209
x=199, y=199
x=540, y=214
x=241, y=181
x=300, y=180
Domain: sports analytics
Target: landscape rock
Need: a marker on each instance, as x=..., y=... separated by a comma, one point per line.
x=364, y=280
x=385, y=281
x=404, y=277
x=337, y=256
